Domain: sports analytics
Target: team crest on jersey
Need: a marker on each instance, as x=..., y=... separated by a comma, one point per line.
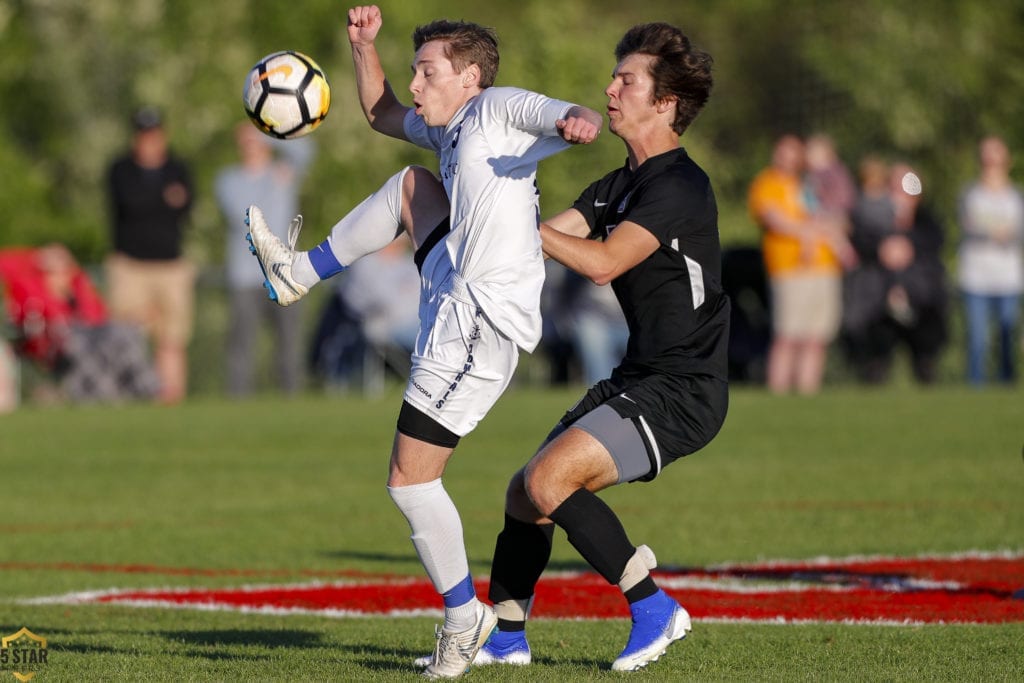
x=624, y=202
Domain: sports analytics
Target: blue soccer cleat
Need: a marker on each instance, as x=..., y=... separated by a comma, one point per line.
x=504, y=647
x=658, y=621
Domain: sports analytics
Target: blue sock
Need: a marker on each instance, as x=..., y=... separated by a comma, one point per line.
x=460, y=593
x=460, y=606
x=324, y=262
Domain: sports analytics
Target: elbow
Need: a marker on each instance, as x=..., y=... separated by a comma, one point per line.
x=602, y=271
x=602, y=277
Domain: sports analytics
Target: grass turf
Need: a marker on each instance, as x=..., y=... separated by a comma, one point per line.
x=286, y=486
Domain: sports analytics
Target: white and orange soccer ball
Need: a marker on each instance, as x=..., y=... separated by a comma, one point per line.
x=286, y=94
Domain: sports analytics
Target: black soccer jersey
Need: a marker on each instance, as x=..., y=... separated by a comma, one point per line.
x=677, y=313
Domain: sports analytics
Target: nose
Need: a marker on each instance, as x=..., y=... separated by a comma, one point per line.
x=610, y=90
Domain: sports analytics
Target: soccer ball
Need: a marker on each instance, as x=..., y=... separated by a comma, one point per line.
x=286, y=95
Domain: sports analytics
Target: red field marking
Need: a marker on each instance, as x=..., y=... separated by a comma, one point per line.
x=973, y=588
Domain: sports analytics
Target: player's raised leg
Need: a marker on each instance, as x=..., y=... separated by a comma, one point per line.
x=412, y=200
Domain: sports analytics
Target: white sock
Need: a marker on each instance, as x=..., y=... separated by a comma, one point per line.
x=436, y=532
x=372, y=225
x=461, y=618
x=302, y=270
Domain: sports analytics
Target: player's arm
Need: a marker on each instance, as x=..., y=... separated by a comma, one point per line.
x=600, y=262
x=580, y=126
x=381, y=107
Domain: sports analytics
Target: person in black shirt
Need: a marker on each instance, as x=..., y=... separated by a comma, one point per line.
x=149, y=281
x=650, y=229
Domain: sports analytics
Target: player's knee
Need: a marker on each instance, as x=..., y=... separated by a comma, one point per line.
x=419, y=183
x=517, y=502
x=544, y=486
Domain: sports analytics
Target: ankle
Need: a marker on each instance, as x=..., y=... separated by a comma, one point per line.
x=303, y=271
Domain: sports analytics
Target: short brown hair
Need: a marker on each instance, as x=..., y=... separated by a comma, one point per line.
x=465, y=43
x=679, y=69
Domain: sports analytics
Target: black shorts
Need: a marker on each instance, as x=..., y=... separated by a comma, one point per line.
x=671, y=416
x=435, y=236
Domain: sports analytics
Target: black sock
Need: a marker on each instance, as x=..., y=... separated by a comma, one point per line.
x=644, y=589
x=521, y=553
x=506, y=626
x=596, y=532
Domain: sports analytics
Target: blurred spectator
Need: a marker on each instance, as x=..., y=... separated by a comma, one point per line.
x=60, y=324
x=802, y=255
x=898, y=293
x=556, y=344
x=750, y=326
x=991, y=260
x=598, y=329
x=46, y=293
x=149, y=281
x=372, y=320
x=585, y=333
x=269, y=173
x=10, y=377
x=383, y=289
x=832, y=188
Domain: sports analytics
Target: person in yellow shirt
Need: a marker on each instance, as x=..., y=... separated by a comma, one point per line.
x=804, y=255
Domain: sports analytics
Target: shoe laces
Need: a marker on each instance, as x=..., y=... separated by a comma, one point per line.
x=447, y=645
x=294, y=228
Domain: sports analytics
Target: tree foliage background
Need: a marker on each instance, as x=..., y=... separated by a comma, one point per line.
x=917, y=80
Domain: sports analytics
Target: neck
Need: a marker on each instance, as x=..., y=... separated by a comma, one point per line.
x=642, y=149
x=994, y=177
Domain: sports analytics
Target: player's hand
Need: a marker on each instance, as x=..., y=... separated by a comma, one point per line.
x=175, y=195
x=363, y=24
x=580, y=127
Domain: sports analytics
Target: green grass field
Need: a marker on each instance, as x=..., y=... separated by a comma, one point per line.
x=279, y=488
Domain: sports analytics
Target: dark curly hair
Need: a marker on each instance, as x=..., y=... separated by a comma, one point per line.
x=679, y=69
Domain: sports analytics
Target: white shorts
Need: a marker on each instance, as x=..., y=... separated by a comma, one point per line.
x=461, y=364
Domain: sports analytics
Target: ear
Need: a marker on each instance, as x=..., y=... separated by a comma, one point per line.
x=470, y=76
x=667, y=104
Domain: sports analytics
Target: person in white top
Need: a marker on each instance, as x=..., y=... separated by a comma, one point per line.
x=991, y=260
x=478, y=247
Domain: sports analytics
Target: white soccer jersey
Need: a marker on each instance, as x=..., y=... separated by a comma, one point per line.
x=489, y=153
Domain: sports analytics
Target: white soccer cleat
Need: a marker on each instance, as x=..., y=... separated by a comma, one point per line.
x=275, y=257
x=515, y=652
x=454, y=652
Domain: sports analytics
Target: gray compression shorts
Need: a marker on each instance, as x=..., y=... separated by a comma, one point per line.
x=619, y=436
